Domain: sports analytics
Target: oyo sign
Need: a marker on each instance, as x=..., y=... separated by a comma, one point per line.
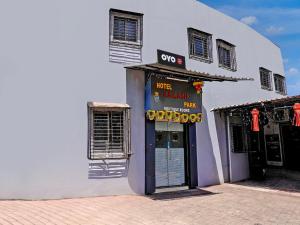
x=170, y=59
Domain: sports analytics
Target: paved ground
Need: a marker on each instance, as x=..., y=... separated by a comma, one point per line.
x=225, y=204
x=274, y=183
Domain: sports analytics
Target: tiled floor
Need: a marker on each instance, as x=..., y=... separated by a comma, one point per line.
x=225, y=204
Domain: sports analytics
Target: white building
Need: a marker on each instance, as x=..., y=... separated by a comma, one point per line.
x=62, y=73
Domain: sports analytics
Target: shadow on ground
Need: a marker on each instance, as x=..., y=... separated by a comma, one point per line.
x=280, y=180
x=173, y=195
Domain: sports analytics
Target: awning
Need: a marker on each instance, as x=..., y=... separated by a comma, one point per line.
x=278, y=102
x=159, y=68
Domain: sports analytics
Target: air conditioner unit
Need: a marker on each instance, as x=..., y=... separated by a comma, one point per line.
x=281, y=115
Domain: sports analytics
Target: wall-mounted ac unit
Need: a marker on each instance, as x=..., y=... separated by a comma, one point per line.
x=281, y=115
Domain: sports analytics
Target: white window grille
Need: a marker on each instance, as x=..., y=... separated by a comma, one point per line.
x=125, y=27
x=108, y=131
x=280, y=84
x=200, y=45
x=265, y=79
x=226, y=55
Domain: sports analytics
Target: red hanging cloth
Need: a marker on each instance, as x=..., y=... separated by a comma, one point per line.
x=255, y=120
x=296, y=120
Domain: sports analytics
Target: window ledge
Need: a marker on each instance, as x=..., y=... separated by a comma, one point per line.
x=126, y=44
x=201, y=59
x=281, y=93
x=227, y=68
x=111, y=157
x=266, y=88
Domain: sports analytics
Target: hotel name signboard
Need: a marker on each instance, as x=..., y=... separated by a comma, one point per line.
x=173, y=100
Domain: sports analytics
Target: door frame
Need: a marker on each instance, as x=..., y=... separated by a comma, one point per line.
x=168, y=149
x=191, y=162
x=256, y=155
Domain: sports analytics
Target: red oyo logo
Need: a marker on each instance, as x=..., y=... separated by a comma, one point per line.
x=179, y=61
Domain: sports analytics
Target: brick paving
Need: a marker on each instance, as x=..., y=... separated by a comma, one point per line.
x=224, y=204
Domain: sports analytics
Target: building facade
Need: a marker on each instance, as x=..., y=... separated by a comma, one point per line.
x=72, y=92
x=271, y=140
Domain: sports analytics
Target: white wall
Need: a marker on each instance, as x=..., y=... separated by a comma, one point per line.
x=135, y=98
x=54, y=59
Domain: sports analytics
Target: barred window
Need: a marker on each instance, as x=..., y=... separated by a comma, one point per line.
x=280, y=85
x=126, y=27
x=109, y=131
x=238, y=135
x=265, y=79
x=200, y=45
x=226, y=55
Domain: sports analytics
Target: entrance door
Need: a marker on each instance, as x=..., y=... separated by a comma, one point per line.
x=273, y=150
x=291, y=144
x=169, y=154
x=256, y=156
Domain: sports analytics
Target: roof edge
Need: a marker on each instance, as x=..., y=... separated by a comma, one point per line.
x=156, y=67
x=263, y=102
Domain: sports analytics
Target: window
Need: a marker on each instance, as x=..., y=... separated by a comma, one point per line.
x=238, y=135
x=126, y=27
x=280, y=85
x=226, y=55
x=265, y=79
x=125, y=37
x=200, y=45
x=109, y=131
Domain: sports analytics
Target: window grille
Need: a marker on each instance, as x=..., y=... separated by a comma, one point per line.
x=280, y=85
x=226, y=55
x=108, y=133
x=265, y=79
x=200, y=45
x=126, y=27
x=238, y=135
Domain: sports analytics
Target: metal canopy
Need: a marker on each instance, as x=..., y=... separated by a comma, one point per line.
x=155, y=67
x=279, y=102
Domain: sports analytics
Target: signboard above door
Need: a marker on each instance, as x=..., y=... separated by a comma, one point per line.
x=169, y=99
x=169, y=94
x=170, y=59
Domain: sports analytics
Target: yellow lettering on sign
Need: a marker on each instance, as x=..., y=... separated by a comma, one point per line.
x=191, y=105
x=164, y=86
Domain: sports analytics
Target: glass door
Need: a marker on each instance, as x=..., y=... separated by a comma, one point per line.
x=169, y=154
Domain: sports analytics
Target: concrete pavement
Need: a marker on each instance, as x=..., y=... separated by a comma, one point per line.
x=224, y=204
